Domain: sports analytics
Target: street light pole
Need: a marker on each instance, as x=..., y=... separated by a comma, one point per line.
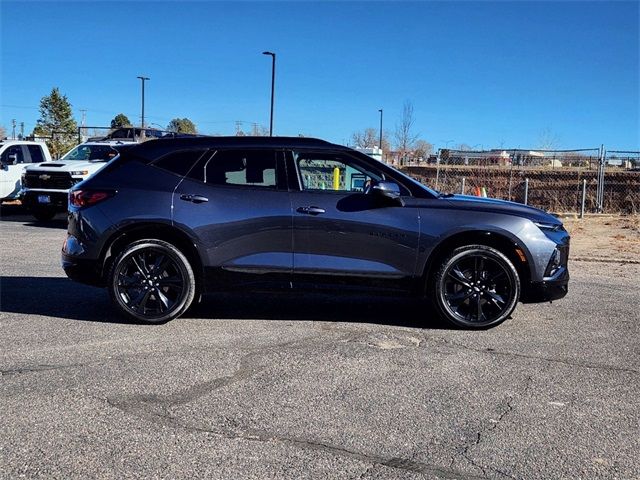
x=142, y=121
x=380, y=130
x=273, y=83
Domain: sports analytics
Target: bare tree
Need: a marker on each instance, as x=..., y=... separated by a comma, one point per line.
x=422, y=149
x=3, y=132
x=405, y=138
x=548, y=140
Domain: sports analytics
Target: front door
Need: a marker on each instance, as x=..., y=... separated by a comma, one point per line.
x=13, y=162
x=342, y=234
x=236, y=204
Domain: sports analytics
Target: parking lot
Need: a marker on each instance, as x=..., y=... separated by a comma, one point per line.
x=270, y=386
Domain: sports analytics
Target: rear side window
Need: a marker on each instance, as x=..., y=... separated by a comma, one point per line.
x=251, y=168
x=36, y=153
x=179, y=162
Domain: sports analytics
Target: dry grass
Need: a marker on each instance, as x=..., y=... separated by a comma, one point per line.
x=606, y=237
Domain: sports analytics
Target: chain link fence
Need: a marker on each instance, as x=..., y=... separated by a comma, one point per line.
x=562, y=181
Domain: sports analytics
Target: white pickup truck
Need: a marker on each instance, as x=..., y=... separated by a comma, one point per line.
x=15, y=155
x=45, y=186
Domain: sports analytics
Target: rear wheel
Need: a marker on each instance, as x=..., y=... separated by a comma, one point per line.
x=476, y=287
x=152, y=281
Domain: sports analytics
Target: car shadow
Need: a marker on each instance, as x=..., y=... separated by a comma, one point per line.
x=61, y=298
x=18, y=214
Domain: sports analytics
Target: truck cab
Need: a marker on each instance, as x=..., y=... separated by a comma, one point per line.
x=15, y=155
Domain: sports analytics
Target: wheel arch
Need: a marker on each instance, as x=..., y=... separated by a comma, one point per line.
x=152, y=230
x=502, y=241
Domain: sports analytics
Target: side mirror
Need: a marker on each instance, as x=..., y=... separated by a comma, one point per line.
x=12, y=159
x=387, y=189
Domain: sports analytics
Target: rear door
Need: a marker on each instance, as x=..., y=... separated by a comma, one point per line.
x=344, y=236
x=236, y=203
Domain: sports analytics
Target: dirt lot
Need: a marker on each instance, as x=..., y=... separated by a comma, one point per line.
x=610, y=237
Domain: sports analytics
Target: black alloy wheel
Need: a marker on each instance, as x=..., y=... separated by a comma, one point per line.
x=152, y=281
x=476, y=287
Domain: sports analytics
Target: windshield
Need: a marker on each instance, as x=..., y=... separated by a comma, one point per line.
x=91, y=152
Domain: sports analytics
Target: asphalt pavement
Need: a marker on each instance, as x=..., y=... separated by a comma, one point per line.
x=264, y=386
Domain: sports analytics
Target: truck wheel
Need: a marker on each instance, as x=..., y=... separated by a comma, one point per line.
x=43, y=214
x=476, y=287
x=151, y=281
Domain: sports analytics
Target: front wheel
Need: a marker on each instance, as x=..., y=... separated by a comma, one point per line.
x=476, y=287
x=152, y=281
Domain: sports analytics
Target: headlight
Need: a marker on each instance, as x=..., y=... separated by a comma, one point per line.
x=80, y=172
x=549, y=227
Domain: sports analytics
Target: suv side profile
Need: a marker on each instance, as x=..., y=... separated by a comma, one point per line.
x=169, y=220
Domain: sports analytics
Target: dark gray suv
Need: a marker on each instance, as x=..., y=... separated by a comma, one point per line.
x=168, y=220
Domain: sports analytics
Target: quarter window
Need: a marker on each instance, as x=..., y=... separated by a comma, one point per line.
x=179, y=162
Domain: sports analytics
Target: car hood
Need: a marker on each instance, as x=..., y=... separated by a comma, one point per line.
x=70, y=166
x=494, y=205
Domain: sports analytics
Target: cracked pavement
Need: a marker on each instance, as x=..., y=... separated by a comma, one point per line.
x=264, y=386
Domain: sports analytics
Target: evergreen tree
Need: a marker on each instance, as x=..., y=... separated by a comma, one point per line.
x=56, y=123
x=120, y=120
x=181, y=125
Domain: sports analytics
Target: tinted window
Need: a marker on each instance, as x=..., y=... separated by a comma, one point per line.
x=179, y=162
x=36, y=153
x=90, y=152
x=13, y=150
x=322, y=171
x=254, y=168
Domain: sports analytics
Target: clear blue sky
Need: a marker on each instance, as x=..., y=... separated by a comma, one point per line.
x=479, y=73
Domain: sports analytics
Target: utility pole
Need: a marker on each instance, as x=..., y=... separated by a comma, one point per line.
x=21, y=130
x=13, y=124
x=82, y=123
x=143, y=79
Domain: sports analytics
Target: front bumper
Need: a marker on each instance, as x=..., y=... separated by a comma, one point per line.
x=34, y=199
x=547, y=290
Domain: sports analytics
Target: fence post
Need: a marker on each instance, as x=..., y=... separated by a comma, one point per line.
x=526, y=191
x=462, y=190
x=584, y=197
x=437, y=169
x=601, y=169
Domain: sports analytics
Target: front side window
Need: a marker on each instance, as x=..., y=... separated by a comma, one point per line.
x=251, y=168
x=15, y=152
x=91, y=152
x=333, y=172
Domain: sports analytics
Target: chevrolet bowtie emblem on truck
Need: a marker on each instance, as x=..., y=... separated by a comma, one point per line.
x=44, y=177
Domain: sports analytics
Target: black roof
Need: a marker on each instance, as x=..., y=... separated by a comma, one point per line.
x=154, y=148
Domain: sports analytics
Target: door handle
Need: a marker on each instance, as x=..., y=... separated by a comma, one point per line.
x=311, y=210
x=187, y=197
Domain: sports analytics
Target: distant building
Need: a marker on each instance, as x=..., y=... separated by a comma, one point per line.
x=374, y=152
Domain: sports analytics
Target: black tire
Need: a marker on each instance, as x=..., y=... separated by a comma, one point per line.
x=43, y=214
x=151, y=281
x=476, y=287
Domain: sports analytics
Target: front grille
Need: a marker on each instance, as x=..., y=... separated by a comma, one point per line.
x=50, y=180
